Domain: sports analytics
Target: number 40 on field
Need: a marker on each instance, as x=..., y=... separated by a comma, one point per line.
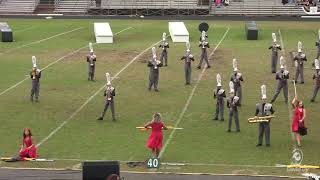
x=153, y=163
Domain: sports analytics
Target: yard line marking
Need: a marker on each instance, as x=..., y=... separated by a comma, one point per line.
x=190, y=96
x=41, y=40
x=92, y=96
x=52, y=63
x=290, y=114
x=173, y=163
x=23, y=30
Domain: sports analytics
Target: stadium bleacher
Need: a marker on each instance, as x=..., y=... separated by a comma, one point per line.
x=18, y=6
x=73, y=6
x=258, y=7
x=167, y=7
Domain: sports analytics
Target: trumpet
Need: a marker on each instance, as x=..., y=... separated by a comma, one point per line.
x=260, y=119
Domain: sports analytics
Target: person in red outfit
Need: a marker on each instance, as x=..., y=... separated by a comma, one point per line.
x=298, y=119
x=155, y=138
x=28, y=149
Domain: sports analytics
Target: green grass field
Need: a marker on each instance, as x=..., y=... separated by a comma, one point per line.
x=73, y=104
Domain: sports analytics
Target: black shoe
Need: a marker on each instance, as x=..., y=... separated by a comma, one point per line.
x=268, y=145
x=259, y=145
x=228, y=130
x=113, y=119
x=208, y=67
x=100, y=118
x=295, y=82
x=312, y=100
x=166, y=65
x=215, y=119
x=156, y=90
x=199, y=67
x=301, y=82
x=222, y=120
x=187, y=84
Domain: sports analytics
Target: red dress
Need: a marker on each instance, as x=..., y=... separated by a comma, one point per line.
x=155, y=138
x=28, y=153
x=295, y=123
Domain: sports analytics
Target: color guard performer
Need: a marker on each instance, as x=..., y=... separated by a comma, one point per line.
x=188, y=57
x=264, y=109
x=109, y=93
x=282, y=76
x=219, y=94
x=203, y=44
x=28, y=149
x=298, y=61
x=154, y=65
x=316, y=78
x=236, y=78
x=35, y=75
x=91, y=59
x=164, y=54
x=156, y=137
x=233, y=104
x=274, y=56
x=318, y=45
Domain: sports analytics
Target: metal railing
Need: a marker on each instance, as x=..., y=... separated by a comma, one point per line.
x=257, y=7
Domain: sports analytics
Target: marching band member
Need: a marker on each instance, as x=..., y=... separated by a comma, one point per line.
x=233, y=104
x=298, y=61
x=109, y=93
x=264, y=109
x=35, y=75
x=188, y=57
x=91, y=59
x=219, y=94
x=298, y=127
x=164, y=54
x=204, y=44
x=236, y=78
x=282, y=76
x=316, y=78
x=155, y=138
x=154, y=65
x=28, y=149
x=318, y=45
x=274, y=50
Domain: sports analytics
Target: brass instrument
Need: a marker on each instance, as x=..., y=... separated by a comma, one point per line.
x=260, y=119
x=34, y=73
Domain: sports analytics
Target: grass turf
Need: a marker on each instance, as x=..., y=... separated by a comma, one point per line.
x=64, y=89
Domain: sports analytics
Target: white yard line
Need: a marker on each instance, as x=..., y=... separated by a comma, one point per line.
x=175, y=163
x=39, y=41
x=91, y=97
x=190, y=97
x=289, y=102
x=23, y=30
x=54, y=62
